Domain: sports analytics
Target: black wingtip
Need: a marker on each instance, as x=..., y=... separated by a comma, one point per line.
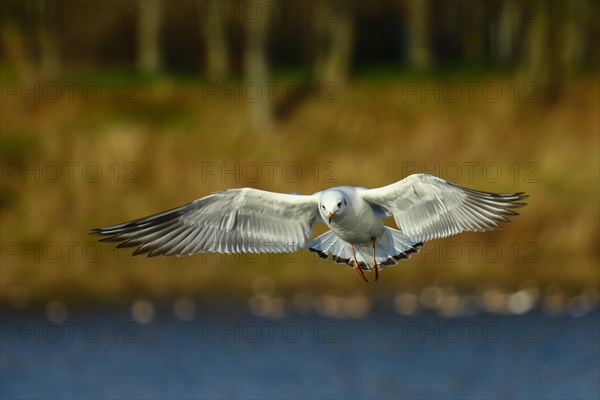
x=111, y=239
x=390, y=261
x=127, y=244
x=318, y=252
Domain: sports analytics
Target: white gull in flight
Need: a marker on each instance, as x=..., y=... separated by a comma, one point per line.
x=248, y=220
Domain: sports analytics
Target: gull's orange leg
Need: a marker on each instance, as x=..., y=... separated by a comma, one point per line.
x=374, y=266
x=357, y=267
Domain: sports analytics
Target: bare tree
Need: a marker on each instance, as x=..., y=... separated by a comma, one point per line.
x=575, y=28
x=33, y=56
x=539, y=52
x=334, y=26
x=50, y=60
x=504, y=32
x=256, y=66
x=473, y=31
x=149, y=57
x=418, y=26
x=15, y=50
x=213, y=27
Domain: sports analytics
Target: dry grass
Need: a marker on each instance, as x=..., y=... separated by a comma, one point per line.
x=372, y=136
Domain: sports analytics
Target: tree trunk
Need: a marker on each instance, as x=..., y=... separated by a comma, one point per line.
x=539, y=61
x=419, y=51
x=554, y=45
x=213, y=25
x=50, y=64
x=149, y=57
x=15, y=49
x=334, y=25
x=503, y=40
x=574, y=30
x=473, y=33
x=257, y=70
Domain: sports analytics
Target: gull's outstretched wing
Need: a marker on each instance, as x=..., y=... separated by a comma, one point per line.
x=233, y=221
x=426, y=207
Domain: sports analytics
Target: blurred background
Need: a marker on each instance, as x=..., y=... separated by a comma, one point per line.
x=115, y=110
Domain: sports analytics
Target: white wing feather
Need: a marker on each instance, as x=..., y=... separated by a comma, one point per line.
x=426, y=207
x=231, y=221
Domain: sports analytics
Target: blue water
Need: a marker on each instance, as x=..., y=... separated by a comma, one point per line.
x=241, y=356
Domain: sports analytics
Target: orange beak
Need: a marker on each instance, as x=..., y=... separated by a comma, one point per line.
x=330, y=216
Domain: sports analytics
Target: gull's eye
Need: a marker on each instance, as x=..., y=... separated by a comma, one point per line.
x=323, y=206
x=340, y=204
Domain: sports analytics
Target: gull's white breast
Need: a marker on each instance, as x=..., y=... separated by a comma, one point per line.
x=359, y=223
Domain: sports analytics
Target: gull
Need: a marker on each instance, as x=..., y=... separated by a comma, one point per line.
x=424, y=207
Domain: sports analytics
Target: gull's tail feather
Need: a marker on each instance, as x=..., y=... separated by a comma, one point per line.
x=392, y=247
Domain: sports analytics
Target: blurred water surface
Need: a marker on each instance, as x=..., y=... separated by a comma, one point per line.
x=242, y=356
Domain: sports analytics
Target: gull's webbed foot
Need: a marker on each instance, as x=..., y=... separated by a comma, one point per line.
x=357, y=267
x=374, y=265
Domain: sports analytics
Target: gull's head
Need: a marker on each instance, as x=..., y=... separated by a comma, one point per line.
x=333, y=204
